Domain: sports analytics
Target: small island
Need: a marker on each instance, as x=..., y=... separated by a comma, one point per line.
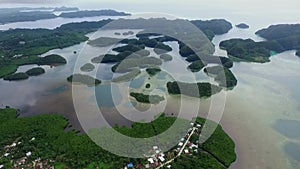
x=35, y=71
x=88, y=67
x=222, y=75
x=249, y=50
x=161, y=48
x=166, y=57
x=142, y=98
x=103, y=41
x=148, y=85
x=242, y=26
x=83, y=79
x=153, y=71
x=52, y=60
x=16, y=76
x=92, y=13
x=201, y=90
x=196, y=66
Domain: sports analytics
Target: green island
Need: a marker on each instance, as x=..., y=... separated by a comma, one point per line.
x=196, y=66
x=83, y=79
x=22, y=76
x=16, y=76
x=142, y=98
x=88, y=67
x=148, y=85
x=91, y=13
x=133, y=63
x=152, y=71
x=9, y=66
x=242, y=26
x=35, y=71
x=103, y=41
x=24, y=46
x=161, y=48
x=199, y=90
x=47, y=144
x=249, y=50
x=166, y=57
x=286, y=35
x=222, y=75
x=213, y=27
x=279, y=38
x=128, y=76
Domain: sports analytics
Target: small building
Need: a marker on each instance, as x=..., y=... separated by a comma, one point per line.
x=155, y=147
x=28, y=154
x=33, y=138
x=162, y=159
x=1, y=166
x=157, y=151
x=192, y=124
x=180, y=144
x=151, y=160
x=6, y=154
x=186, y=151
x=147, y=166
x=169, y=166
x=182, y=139
x=199, y=125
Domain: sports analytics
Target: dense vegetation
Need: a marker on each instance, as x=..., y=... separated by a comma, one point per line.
x=83, y=79
x=213, y=27
x=103, y=41
x=148, y=85
x=196, y=66
x=222, y=75
x=35, y=71
x=286, y=35
x=16, y=76
x=248, y=50
x=152, y=99
x=193, y=89
x=52, y=60
x=153, y=71
x=22, y=46
x=132, y=63
x=242, y=26
x=87, y=13
x=224, y=154
x=161, y=48
x=9, y=66
x=68, y=149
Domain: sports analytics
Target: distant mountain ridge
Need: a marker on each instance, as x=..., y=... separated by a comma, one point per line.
x=10, y=15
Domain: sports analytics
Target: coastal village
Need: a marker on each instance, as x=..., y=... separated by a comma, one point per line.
x=26, y=160
x=156, y=159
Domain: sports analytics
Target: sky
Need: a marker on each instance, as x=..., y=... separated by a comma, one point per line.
x=186, y=8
